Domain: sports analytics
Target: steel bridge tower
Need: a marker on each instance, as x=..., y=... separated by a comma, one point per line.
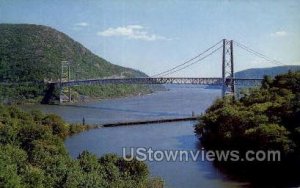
x=228, y=68
x=65, y=76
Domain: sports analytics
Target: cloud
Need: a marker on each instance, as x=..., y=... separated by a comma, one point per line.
x=137, y=32
x=279, y=34
x=82, y=24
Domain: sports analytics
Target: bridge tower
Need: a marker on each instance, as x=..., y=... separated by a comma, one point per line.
x=65, y=76
x=227, y=68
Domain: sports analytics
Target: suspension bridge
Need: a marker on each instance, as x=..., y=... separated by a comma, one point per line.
x=227, y=80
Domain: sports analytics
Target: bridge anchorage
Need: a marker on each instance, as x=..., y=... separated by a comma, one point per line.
x=227, y=81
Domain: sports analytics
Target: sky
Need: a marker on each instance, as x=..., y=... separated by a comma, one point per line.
x=156, y=35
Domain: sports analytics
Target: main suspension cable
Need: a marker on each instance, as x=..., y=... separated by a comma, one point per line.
x=188, y=61
x=193, y=62
x=270, y=60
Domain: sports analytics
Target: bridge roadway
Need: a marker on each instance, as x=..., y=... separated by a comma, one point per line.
x=161, y=80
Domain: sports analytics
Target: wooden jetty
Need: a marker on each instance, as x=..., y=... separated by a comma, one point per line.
x=147, y=122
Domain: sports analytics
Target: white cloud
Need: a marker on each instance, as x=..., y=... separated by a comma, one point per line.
x=279, y=34
x=132, y=32
x=82, y=24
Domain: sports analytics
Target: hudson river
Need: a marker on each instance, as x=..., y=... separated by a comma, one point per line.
x=178, y=101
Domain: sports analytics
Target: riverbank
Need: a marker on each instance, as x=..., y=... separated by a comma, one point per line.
x=79, y=94
x=90, y=99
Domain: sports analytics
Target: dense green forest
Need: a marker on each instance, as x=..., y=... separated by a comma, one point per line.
x=265, y=118
x=32, y=154
x=31, y=54
x=275, y=107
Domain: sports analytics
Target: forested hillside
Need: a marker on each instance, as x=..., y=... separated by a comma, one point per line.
x=33, y=53
x=264, y=119
x=261, y=72
x=32, y=154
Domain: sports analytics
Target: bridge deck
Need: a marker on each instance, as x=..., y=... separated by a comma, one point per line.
x=170, y=80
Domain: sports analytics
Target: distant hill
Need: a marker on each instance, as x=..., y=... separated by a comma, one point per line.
x=34, y=53
x=260, y=72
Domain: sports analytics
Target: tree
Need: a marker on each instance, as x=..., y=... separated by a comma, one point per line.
x=264, y=118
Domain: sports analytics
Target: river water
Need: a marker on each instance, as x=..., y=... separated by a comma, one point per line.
x=178, y=101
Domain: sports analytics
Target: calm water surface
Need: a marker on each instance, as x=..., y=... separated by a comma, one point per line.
x=177, y=102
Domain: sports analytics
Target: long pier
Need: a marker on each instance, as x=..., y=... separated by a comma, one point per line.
x=147, y=122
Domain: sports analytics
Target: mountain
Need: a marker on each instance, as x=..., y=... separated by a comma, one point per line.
x=272, y=71
x=34, y=53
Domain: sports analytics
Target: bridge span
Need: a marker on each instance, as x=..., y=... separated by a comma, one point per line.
x=227, y=80
x=162, y=80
